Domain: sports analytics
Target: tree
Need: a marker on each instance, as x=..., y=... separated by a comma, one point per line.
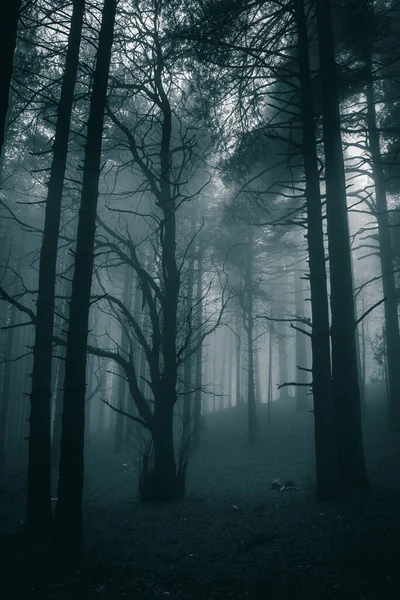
x=247, y=302
x=68, y=521
x=344, y=355
x=301, y=347
x=197, y=424
x=121, y=392
x=328, y=484
x=38, y=510
x=382, y=216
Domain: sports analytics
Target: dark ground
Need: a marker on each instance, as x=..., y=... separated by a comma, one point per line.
x=232, y=537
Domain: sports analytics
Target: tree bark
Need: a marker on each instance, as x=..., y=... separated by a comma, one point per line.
x=269, y=396
x=346, y=388
x=188, y=364
x=258, y=386
x=68, y=523
x=239, y=399
x=56, y=439
x=249, y=326
x=38, y=510
x=215, y=356
x=224, y=360
x=165, y=475
x=230, y=371
x=122, y=387
x=5, y=392
x=283, y=358
x=301, y=349
x=326, y=451
x=199, y=353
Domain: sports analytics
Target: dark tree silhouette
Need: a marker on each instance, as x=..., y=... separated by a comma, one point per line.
x=68, y=522
x=324, y=411
x=346, y=388
x=38, y=511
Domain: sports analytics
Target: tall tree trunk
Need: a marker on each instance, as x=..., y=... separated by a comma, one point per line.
x=25, y=341
x=301, y=349
x=68, y=530
x=5, y=391
x=269, y=396
x=357, y=341
x=328, y=483
x=249, y=326
x=136, y=358
x=239, y=399
x=346, y=387
x=283, y=358
x=101, y=417
x=188, y=364
x=92, y=386
x=258, y=386
x=214, y=404
x=56, y=439
x=363, y=346
x=230, y=371
x=165, y=398
x=8, y=42
x=59, y=395
x=385, y=250
x=224, y=360
x=142, y=355
x=199, y=353
x=38, y=510
x=122, y=386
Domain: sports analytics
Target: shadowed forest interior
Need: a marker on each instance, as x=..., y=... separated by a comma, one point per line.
x=199, y=299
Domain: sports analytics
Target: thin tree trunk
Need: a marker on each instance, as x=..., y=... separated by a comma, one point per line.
x=224, y=360
x=257, y=377
x=364, y=358
x=5, y=392
x=199, y=353
x=269, y=397
x=283, y=358
x=25, y=342
x=328, y=484
x=122, y=386
x=58, y=404
x=142, y=359
x=131, y=406
x=346, y=387
x=188, y=364
x=214, y=405
x=230, y=372
x=38, y=510
x=68, y=532
x=238, y=360
x=301, y=349
x=90, y=390
x=251, y=398
x=101, y=418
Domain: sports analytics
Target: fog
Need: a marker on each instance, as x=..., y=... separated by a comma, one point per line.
x=200, y=346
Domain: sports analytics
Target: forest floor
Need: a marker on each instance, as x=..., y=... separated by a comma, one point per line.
x=232, y=537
